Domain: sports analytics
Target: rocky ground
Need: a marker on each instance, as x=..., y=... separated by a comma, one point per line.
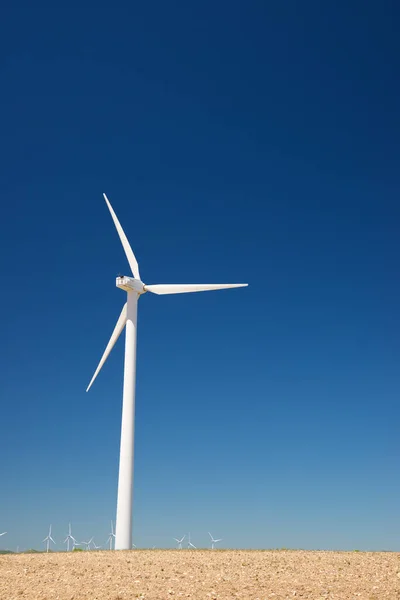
x=201, y=574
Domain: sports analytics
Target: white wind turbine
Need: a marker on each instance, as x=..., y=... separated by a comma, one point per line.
x=179, y=542
x=213, y=541
x=48, y=539
x=111, y=536
x=87, y=544
x=75, y=544
x=134, y=287
x=69, y=538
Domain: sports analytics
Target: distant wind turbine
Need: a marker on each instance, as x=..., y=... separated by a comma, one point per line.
x=87, y=544
x=75, y=544
x=95, y=547
x=69, y=537
x=48, y=539
x=190, y=545
x=135, y=288
x=213, y=541
x=111, y=536
x=180, y=542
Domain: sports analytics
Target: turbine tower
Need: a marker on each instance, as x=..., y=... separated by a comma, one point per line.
x=135, y=288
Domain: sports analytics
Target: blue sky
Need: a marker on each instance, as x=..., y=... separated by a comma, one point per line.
x=243, y=141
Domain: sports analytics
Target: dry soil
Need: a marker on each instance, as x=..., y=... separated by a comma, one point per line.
x=202, y=574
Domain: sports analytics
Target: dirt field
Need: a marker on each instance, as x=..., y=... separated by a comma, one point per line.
x=202, y=574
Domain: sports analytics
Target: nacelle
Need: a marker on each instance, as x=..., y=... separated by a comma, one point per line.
x=129, y=284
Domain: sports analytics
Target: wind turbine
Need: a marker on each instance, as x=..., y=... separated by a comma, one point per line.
x=75, y=544
x=95, y=547
x=213, y=541
x=111, y=536
x=134, y=287
x=190, y=545
x=69, y=537
x=48, y=539
x=87, y=544
x=180, y=542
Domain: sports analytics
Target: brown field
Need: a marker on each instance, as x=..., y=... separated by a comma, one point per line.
x=202, y=574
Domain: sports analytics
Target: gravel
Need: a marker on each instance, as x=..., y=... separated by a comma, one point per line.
x=201, y=574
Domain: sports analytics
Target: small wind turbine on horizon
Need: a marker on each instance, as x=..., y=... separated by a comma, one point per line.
x=95, y=547
x=69, y=537
x=75, y=544
x=213, y=541
x=87, y=544
x=180, y=542
x=111, y=536
x=48, y=539
x=135, y=288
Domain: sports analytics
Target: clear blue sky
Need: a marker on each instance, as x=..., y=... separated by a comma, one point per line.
x=237, y=141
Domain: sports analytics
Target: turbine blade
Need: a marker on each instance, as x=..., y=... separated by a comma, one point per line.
x=115, y=335
x=124, y=241
x=184, y=288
